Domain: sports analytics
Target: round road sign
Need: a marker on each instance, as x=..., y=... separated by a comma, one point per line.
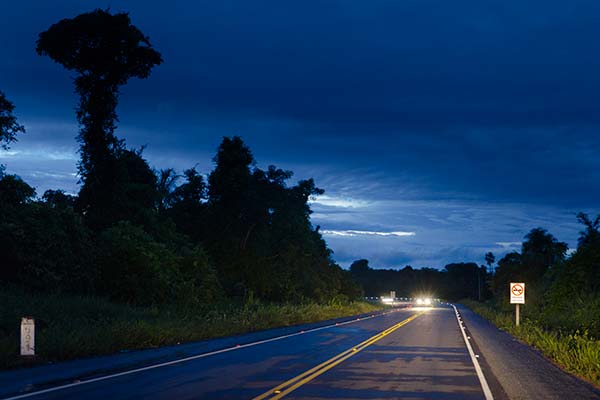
x=517, y=290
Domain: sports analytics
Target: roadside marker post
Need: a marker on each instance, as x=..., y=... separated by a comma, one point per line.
x=517, y=297
x=27, y=337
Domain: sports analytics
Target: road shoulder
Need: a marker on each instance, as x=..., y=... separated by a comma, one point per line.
x=522, y=372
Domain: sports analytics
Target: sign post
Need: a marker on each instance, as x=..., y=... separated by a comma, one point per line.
x=393, y=294
x=27, y=336
x=517, y=297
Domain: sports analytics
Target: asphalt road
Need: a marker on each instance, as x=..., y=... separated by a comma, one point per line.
x=406, y=354
x=409, y=353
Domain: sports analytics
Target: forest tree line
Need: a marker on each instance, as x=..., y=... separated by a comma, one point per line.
x=141, y=235
x=562, y=287
x=147, y=236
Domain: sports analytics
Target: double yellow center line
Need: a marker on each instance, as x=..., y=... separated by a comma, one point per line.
x=289, y=386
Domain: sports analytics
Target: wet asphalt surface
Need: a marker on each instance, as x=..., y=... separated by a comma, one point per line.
x=424, y=359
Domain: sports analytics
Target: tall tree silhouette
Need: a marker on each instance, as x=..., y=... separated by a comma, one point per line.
x=105, y=50
x=166, y=179
x=232, y=194
x=591, y=234
x=489, y=260
x=9, y=127
x=540, y=251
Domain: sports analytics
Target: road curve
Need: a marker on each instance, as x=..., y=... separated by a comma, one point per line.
x=410, y=353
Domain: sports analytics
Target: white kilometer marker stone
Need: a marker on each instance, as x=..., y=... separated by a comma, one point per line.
x=27, y=336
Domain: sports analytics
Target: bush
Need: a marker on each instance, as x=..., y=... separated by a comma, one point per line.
x=136, y=269
x=75, y=326
x=46, y=248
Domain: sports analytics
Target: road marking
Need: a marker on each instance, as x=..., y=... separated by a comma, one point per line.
x=181, y=360
x=484, y=385
x=290, y=385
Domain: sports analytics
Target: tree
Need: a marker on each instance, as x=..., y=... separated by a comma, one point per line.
x=14, y=191
x=572, y=297
x=58, y=198
x=192, y=192
x=9, y=128
x=591, y=234
x=105, y=50
x=187, y=206
x=44, y=245
x=540, y=251
x=166, y=179
x=233, y=192
x=489, y=258
x=360, y=267
x=509, y=269
x=464, y=280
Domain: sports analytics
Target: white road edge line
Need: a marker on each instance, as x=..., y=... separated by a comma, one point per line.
x=181, y=360
x=484, y=385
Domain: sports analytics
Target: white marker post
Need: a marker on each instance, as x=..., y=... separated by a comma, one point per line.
x=517, y=296
x=27, y=336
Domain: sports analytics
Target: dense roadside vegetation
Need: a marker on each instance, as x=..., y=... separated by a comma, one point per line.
x=575, y=351
x=139, y=251
x=142, y=257
x=144, y=236
x=70, y=326
x=561, y=316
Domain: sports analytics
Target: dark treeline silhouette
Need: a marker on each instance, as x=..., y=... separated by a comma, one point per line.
x=563, y=291
x=139, y=235
x=456, y=281
x=144, y=236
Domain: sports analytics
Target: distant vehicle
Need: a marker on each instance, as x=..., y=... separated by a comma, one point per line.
x=424, y=301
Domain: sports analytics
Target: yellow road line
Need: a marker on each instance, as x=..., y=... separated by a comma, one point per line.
x=294, y=383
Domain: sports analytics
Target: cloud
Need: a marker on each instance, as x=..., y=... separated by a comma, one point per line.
x=509, y=244
x=365, y=233
x=329, y=201
x=469, y=148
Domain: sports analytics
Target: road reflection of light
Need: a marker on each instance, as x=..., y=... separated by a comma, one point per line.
x=422, y=308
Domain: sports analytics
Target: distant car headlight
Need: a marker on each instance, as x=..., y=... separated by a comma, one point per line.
x=427, y=302
x=420, y=301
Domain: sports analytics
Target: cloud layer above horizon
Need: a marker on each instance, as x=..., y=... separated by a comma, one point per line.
x=439, y=130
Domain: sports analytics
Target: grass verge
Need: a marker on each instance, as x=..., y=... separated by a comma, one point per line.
x=576, y=352
x=69, y=327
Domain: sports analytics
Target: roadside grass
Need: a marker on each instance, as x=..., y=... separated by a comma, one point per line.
x=576, y=351
x=69, y=327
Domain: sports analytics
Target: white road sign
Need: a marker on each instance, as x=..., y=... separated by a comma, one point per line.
x=517, y=293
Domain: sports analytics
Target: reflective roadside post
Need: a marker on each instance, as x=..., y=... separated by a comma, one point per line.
x=517, y=297
x=27, y=336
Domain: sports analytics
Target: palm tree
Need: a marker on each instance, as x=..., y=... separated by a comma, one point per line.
x=591, y=234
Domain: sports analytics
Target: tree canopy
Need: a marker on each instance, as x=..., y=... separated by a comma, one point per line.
x=9, y=127
x=105, y=50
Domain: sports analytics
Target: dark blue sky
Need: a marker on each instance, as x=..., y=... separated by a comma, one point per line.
x=439, y=130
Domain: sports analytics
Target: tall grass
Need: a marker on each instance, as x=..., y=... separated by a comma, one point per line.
x=69, y=327
x=575, y=351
